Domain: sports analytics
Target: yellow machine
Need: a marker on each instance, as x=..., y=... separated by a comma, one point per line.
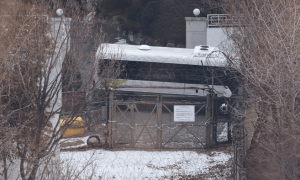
x=76, y=129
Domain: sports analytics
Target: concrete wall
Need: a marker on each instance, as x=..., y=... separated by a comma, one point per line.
x=215, y=37
x=50, y=165
x=196, y=31
x=59, y=28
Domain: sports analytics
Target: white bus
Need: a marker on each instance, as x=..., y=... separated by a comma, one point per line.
x=151, y=66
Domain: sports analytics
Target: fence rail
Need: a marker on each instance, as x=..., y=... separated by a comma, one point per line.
x=221, y=20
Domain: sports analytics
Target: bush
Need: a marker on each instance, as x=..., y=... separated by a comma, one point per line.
x=110, y=5
x=149, y=17
x=145, y=2
x=134, y=13
x=130, y=25
x=170, y=24
x=165, y=19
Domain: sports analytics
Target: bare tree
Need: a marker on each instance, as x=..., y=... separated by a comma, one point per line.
x=265, y=50
x=39, y=58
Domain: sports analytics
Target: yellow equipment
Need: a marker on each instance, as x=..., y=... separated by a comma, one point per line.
x=76, y=129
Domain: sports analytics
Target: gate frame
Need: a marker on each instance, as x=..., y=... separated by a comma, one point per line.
x=210, y=138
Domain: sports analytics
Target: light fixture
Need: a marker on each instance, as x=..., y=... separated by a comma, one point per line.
x=59, y=12
x=224, y=108
x=196, y=12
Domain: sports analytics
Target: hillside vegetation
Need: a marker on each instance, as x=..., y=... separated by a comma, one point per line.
x=160, y=19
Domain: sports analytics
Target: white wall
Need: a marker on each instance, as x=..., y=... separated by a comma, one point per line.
x=50, y=168
x=196, y=28
x=215, y=37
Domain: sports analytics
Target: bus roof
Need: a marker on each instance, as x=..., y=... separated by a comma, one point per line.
x=201, y=55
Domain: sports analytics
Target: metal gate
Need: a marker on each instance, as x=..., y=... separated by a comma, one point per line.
x=134, y=125
x=147, y=122
x=178, y=135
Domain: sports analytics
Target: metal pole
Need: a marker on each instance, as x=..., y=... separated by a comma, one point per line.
x=159, y=123
x=132, y=125
x=111, y=104
x=208, y=121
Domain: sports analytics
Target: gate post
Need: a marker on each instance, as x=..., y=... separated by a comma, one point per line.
x=111, y=109
x=159, y=123
x=132, y=125
x=208, y=116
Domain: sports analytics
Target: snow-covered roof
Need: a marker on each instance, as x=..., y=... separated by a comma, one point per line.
x=206, y=55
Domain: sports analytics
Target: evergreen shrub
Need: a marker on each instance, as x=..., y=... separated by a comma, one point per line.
x=134, y=13
x=110, y=5
x=149, y=17
x=130, y=25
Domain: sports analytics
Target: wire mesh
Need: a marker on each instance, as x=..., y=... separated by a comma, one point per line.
x=183, y=134
x=138, y=123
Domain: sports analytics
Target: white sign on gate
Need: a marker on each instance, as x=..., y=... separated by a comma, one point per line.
x=184, y=113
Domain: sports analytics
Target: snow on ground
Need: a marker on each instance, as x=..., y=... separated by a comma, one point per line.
x=74, y=142
x=104, y=164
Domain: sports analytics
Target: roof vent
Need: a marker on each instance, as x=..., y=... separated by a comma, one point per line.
x=202, y=50
x=205, y=48
x=144, y=47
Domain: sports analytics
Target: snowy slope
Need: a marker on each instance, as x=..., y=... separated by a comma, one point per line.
x=103, y=164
